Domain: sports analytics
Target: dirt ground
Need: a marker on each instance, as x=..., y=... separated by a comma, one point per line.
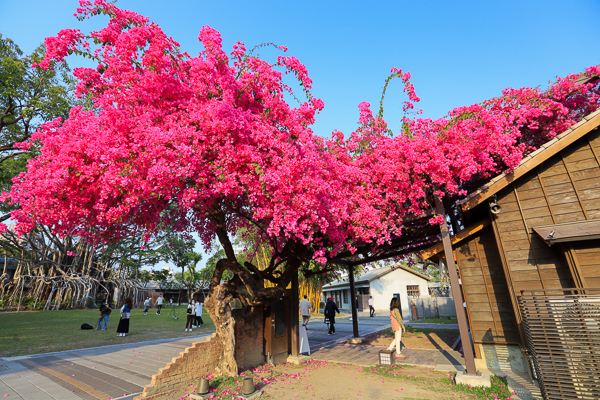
x=340, y=382
x=417, y=338
x=331, y=381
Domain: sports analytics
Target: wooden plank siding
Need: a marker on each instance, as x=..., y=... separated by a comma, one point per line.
x=587, y=254
x=565, y=188
x=486, y=292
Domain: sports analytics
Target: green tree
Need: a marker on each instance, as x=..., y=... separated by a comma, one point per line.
x=179, y=250
x=28, y=98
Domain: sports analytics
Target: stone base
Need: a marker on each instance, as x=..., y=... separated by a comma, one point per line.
x=254, y=395
x=355, y=340
x=196, y=396
x=480, y=379
x=297, y=360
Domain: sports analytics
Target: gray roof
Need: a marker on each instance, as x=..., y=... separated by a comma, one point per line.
x=365, y=278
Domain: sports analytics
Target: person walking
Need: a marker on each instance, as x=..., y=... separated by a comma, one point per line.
x=191, y=315
x=146, y=305
x=171, y=302
x=105, y=310
x=198, y=320
x=159, y=302
x=371, y=309
x=305, y=308
x=123, y=328
x=330, y=310
x=397, y=327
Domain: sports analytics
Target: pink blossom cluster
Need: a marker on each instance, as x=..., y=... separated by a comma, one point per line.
x=172, y=139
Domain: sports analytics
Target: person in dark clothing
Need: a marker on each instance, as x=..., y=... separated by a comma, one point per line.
x=123, y=328
x=105, y=310
x=330, y=310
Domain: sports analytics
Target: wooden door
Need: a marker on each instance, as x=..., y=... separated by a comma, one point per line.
x=277, y=327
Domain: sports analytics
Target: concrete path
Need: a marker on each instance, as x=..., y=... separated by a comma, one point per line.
x=109, y=372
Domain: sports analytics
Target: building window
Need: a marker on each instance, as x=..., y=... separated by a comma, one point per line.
x=345, y=296
x=413, y=290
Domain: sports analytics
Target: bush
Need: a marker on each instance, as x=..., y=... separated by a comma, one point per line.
x=91, y=303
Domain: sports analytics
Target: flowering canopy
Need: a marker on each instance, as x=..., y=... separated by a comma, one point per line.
x=175, y=139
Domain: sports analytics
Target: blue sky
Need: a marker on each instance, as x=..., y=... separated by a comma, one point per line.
x=458, y=52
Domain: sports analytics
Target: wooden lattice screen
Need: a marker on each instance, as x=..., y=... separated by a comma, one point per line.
x=562, y=328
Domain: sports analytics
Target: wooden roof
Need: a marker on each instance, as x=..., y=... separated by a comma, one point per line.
x=560, y=142
x=570, y=231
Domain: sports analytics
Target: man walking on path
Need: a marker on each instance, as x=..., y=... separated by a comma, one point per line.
x=105, y=310
x=146, y=305
x=159, y=302
x=305, y=308
x=330, y=310
x=371, y=309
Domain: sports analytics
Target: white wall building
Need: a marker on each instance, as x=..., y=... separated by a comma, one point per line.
x=382, y=284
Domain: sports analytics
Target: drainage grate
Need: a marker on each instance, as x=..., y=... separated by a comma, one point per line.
x=3, y=367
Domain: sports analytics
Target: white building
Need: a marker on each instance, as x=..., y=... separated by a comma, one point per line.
x=382, y=284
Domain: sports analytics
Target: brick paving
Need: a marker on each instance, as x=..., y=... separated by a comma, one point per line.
x=368, y=355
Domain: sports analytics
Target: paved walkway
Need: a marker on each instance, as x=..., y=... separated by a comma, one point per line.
x=102, y=373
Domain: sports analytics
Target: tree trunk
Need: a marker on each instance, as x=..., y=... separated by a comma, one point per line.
x=217, y=306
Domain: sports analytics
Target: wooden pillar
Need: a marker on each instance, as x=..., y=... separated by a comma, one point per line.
x=456, y=292
x=353, y=301
x=295, y=326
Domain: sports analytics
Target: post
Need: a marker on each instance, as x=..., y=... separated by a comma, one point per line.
x=295, y=326
x=353, y=302
x=456, y=292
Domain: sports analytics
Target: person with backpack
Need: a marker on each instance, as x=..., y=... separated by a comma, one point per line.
x=191, y=315
x=330, y=310
x=123, y=328
x=397, y=327
x=105, y=310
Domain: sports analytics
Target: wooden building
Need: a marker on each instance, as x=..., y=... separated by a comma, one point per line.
x=537, y=227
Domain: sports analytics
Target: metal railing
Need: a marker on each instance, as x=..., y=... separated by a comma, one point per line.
x=562, y=329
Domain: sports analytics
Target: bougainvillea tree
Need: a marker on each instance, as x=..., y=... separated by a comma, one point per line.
x=209, y=144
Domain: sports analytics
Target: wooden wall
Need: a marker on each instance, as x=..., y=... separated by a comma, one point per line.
x=486, y=293
x=565, y=188
x=587, y=261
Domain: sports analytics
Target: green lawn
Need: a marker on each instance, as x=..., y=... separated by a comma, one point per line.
x=435, y=321
x=35, y=332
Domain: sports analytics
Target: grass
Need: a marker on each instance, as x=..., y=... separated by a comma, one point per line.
x=498, y=390
x=435, y=321
x=38, y=332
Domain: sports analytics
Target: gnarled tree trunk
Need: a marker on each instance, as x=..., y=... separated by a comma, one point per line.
x=217, y=305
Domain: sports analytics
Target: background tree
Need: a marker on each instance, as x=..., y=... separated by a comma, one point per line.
x=179, y=250
x=28, y=98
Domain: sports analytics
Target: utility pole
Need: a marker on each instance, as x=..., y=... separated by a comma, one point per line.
x=353, y=301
